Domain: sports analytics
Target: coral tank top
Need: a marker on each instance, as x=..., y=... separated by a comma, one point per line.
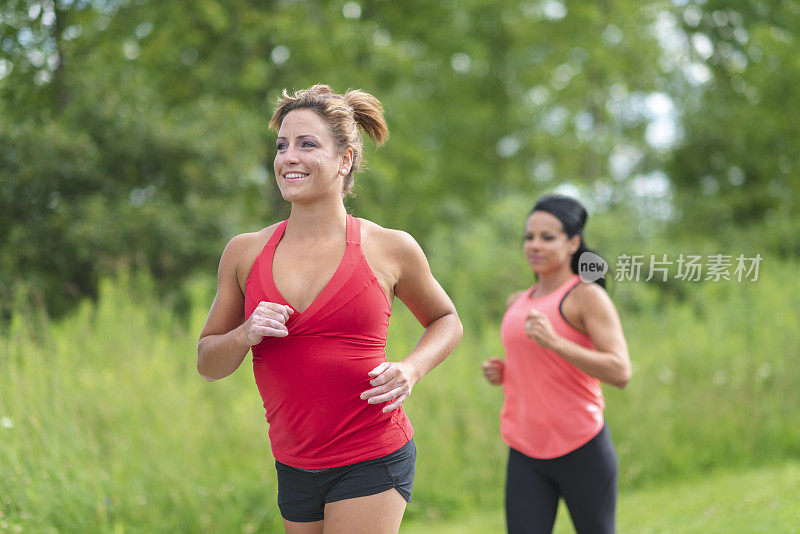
x=551, y=407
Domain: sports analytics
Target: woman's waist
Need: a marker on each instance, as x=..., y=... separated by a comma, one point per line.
x=320, y=343
x=553, y=392
x=321, y=371
x=311, y=416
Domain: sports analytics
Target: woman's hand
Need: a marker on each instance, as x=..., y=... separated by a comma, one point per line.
x=268, y=320
x=394, y=382
x=493, y=370
x=538, y=328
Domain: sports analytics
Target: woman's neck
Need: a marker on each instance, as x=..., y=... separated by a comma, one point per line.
x=550, y=281
x=317, y=221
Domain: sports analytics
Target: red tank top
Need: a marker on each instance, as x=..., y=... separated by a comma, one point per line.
x=551, y=407
x=312, y=379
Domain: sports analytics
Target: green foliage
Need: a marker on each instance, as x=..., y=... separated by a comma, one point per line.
x=134, y=133
x=109, y=426
x=736, y=170
x=105, y=424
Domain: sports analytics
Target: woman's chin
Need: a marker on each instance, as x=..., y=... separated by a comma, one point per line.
x=541, y=270
x=292, y=194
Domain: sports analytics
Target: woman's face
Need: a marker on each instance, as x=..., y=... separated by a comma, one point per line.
x=547, y=247
x=307, y=165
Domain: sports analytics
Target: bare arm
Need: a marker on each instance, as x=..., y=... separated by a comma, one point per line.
x=429, y=303
x=609, y=361
x=226, y=337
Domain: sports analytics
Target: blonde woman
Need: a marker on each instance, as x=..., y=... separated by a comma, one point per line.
x=311, y=297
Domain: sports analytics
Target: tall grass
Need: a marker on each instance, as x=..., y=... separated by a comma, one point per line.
x=106, y=426
x=114, y=430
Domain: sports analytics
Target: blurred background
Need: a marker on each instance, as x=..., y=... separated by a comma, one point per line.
x=134, y=145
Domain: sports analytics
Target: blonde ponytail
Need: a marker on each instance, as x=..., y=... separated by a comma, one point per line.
x=368, y=114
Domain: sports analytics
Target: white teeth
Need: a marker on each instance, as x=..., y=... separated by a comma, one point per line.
x=294, y=175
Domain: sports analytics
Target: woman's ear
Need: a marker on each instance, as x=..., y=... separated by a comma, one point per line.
x=574, y=243
x=347, y=162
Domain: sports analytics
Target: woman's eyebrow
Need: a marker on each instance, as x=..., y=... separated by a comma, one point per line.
x=301, y=136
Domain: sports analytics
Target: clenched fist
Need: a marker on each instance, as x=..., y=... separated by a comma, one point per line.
x=493, y=370
x=267, y=320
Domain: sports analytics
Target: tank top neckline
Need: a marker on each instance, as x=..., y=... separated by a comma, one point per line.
x=346, y=266
x=571, y=282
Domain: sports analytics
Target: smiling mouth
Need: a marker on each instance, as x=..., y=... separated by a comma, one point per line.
x=294, y=176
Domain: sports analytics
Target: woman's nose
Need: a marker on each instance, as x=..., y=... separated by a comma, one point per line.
x=290, y=155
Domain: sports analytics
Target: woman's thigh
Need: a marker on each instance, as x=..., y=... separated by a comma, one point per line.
x=589, y=485
x=293, y=527
x=379, y=513
x=531, y=497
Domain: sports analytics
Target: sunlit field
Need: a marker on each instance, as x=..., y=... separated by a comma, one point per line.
x=105, y=425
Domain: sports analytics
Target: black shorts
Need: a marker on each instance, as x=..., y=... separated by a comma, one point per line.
x=302, y=493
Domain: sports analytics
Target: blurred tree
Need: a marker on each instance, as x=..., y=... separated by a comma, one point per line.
x=134, y=132
x=736, y=170
x=99, y=170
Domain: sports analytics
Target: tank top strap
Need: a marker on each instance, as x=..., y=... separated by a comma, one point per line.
x=566, y=288
x=576, y=279
x=559, y=293
x=353, y=230
x=277, y=234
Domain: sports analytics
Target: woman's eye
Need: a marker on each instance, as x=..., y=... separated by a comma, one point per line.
x=307, y=144
x=528, y=237
x=280, y=146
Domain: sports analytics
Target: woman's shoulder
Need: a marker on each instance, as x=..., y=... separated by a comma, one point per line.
x=242, y=250
x=589, y=295
x=388, y=239
x=513, y=297
x=391, y=252
x=242, y=242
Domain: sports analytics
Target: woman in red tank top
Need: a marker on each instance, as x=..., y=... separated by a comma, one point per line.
x=562, y=337
x=311, y=297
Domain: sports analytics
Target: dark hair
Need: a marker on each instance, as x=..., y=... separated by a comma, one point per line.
x=573, y=218
x=344, y=115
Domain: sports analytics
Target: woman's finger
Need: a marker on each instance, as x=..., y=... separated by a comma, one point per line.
x=391, y=394
x=266, y=331
x=383, y=378
x=271, y=323
x=396, y=404
x=271, y=314
x=493, y=363
x=379, y=369
x=280, y=309
x=381, y=389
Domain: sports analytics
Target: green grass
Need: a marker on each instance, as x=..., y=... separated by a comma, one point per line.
x=765, y=500
x=105, y=425
x=114, y=430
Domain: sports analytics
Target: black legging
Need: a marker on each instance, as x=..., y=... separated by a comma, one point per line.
x=585, y=477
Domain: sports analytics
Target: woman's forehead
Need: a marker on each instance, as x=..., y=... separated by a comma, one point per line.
x=302, y=122
x=542, y=220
